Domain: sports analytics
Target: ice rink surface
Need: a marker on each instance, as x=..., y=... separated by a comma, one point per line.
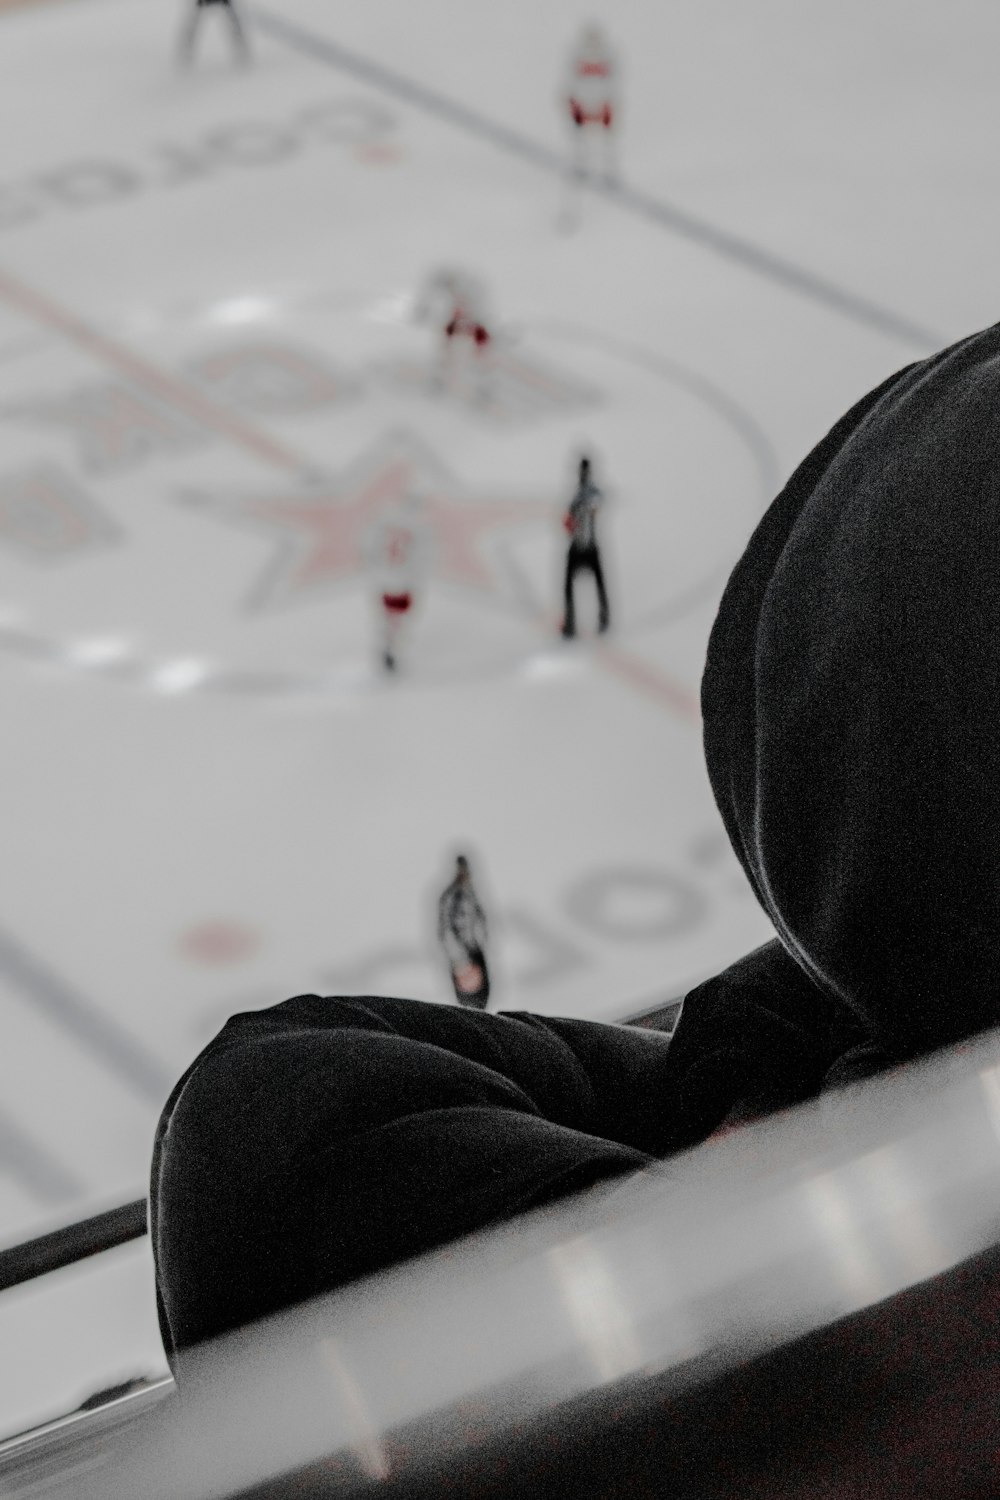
x=211, y=380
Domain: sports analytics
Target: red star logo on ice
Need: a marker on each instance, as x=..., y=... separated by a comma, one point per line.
x=321, y=526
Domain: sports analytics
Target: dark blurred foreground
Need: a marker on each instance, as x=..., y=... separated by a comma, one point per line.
x=804, y=1308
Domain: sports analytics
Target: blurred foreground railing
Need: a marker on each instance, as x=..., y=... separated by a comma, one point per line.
x=803, y=1308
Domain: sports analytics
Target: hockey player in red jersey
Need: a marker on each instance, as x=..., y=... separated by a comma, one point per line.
x=591, y=97
x=397, y=549
x=456, y=302
x=240, y=45
x=462, y=935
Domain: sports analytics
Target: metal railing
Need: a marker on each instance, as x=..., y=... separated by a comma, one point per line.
x=802, y=1307
x=72, y=1243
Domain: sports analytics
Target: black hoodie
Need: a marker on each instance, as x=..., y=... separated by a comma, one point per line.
x=850, y=705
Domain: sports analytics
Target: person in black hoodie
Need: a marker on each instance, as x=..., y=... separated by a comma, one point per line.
x=850, y=704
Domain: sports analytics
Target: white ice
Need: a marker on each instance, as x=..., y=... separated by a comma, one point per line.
x=210, y=798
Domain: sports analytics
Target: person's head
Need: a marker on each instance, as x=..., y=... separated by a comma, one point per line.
x=850, y=705
x=461, y=867
x=584, y=469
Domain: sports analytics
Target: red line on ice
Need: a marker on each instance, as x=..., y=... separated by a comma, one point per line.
x=649, y=680
x=43, y=309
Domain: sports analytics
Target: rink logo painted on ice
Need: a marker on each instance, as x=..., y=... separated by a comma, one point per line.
x=116, y=427
x=272, y=379
x=239, y=146
x=615, y=906
x=46, y=517
x=598, y=917
x=321, y=529
x=520, y=389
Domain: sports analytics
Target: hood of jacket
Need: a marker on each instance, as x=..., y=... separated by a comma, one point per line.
x=851, y=705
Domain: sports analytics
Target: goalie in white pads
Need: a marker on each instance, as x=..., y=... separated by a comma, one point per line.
x=398, y=549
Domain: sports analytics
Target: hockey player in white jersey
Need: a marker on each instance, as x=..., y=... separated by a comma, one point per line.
x=398, y=548
x=592, y=103
x=462, y=935
x=241, y=48
x=455, y=302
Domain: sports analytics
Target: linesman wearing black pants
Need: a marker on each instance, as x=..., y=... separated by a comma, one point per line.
x=583, y=551
x=185, y=50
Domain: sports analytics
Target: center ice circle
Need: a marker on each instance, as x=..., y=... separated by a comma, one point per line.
x=186, y=510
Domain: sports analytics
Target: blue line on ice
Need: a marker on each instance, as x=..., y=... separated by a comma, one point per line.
x=730, y=246
x=78, y=1015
